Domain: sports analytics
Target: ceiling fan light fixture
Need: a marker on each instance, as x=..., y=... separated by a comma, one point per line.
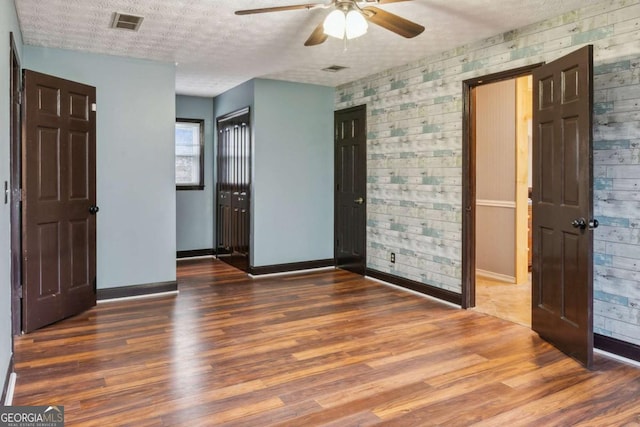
x=334, y=24
x=355, y=24
x=348, y=19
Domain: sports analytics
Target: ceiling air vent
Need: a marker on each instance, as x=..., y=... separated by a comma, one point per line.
x=126, y=22
x=334, y=68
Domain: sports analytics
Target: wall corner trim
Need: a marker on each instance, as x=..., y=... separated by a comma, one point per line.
x=422, y=288
x=137, y=290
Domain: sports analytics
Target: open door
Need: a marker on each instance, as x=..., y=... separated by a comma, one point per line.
x=562, y=270
x=16, y=179
x=350, y=208
x=58, y=199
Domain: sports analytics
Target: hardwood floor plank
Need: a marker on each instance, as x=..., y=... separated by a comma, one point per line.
x=438, y=409
x=388, y=382
x=560, y=391
x=318, y=348
x=277, y=416
x=219, y=418
x=504, y=300
x=356, y=405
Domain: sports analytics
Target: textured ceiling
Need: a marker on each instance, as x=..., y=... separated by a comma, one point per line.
x=216, y=50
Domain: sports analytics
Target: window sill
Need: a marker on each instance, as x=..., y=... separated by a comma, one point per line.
x=189, y=187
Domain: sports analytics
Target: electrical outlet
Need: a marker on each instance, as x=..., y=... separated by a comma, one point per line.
x=393, y=257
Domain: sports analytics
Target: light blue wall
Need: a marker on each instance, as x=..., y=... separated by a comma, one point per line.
x=136, y=235
x=293, y=172
x=8, y=23
x=292, y=168
x=232, y=100
x=195, y=215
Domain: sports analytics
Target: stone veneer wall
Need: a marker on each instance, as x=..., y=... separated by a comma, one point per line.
x=414, y=119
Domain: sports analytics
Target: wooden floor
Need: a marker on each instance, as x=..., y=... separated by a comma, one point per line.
x=508, y=301
x=322, y=348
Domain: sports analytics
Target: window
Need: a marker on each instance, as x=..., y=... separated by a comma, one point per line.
x=189, y=154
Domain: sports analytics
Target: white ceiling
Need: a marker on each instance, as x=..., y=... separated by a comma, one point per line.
x=216, y=50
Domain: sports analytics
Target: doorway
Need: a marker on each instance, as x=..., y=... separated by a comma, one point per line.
x=503, y=138
x=469, y=193
x=562, y=202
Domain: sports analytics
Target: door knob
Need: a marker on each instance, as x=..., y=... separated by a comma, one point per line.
x=93, y=210
x=359, y=200
x=593, y=224
x=580, y=223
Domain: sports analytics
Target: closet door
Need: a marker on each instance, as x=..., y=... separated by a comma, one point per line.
x=233, y=188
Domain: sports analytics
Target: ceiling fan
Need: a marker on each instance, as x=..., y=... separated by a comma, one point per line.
x=349, y=19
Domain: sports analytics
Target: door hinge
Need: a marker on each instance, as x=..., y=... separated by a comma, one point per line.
x=94, y=107
x=19, y=290
x=20, y=97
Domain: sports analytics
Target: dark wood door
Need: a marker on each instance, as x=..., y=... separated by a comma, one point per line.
x=351, y=188
x=233, y=189
x=59, y=199
x=16, y=182
x=562, y=270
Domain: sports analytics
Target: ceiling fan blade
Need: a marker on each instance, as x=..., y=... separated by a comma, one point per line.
x=279, y=8
x=318, y=36
x=392, y=22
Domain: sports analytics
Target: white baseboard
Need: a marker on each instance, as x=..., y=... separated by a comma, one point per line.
x=495, y=276
x=8, y=400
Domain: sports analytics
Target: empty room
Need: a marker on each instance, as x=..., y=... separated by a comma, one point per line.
x=265, y=212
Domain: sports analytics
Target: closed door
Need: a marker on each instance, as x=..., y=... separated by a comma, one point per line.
x=59, y=199
x=562, y=270
x=233, y=188
x=350, y=192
